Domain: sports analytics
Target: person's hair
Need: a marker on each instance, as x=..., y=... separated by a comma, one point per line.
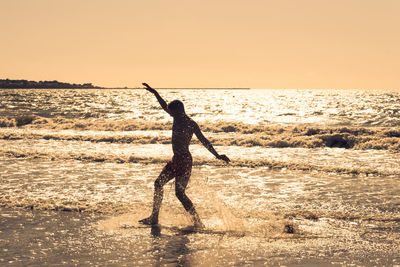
x=176, y=105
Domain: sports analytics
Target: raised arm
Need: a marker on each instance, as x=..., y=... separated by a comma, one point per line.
x=163, y=104
x=207, y=143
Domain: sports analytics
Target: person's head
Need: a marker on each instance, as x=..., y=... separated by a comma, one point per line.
x=176, y=107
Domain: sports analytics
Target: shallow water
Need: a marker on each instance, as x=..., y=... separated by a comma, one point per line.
x=53, y=238
x=78, y=168
x=337, y=219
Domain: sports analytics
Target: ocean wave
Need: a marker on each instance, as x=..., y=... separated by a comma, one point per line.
x=247, y=163
x=219, y=133
x=37, y=122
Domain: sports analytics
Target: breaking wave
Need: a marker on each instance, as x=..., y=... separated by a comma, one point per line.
x=202, y=161
x=219, y=133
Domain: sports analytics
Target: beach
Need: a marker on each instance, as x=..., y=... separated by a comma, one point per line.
x=314, y=178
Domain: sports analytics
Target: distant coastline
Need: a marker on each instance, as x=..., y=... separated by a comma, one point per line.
x=25, y=84
x=205, y=88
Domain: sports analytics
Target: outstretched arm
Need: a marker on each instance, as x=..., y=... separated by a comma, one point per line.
x=207, y=143
x=163, y=104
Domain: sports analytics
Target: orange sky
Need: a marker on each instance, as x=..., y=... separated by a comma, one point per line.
x=208, y=43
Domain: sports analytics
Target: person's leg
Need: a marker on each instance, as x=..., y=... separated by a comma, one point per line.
x=181, y=181
x=165, y=176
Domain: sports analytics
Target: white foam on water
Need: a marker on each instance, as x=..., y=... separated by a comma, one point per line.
x=217, y=217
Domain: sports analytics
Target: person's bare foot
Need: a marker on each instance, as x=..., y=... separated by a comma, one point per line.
x=149, y=221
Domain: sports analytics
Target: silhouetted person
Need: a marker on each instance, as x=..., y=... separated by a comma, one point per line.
x=180, y=166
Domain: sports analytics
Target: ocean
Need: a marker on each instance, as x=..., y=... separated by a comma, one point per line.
x=314, y=178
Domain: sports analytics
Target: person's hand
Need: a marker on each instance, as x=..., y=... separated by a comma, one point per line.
x=224, y=158
x=148, y=88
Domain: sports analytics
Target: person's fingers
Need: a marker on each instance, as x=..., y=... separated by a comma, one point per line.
x=225, y=158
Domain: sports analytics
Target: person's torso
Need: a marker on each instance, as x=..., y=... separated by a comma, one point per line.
x=182, y=132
